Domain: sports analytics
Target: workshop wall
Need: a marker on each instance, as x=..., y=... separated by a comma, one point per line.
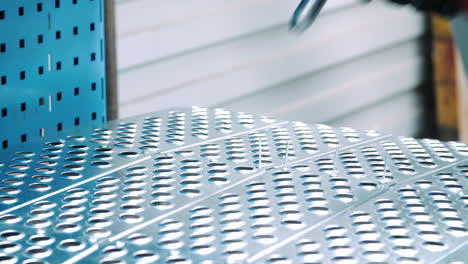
x=360, y=65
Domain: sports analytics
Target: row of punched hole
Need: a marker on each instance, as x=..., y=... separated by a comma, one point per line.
x=39, y=8
x=41, y=101
x=40, y=69
x=40, y=38
x=24, y=137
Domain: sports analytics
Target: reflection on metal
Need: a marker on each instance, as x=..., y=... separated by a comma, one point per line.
x=305, y=14
x=211, y=186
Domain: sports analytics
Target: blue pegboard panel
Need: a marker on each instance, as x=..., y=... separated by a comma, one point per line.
x=52, y=67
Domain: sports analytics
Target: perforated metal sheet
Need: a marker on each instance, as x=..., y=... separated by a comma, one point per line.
x=340, y=196
x=48, y=167
x=420, y=220
x=52, y=68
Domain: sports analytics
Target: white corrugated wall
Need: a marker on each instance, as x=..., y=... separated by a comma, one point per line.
x=360, y=65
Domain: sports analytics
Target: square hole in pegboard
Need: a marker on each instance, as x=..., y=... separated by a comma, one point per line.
x=4, y=144
x=44, y=70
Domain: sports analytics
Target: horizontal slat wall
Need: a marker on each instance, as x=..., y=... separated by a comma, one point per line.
x=240, y=55
x=396, y=115
x=355, y=84
x=150, y=30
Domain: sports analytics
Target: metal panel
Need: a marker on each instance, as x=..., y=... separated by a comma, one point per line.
x=48, y=167
x=31, y=181
x=252, y=220
x=418, y=220
x=51, y=65
x=272, y=193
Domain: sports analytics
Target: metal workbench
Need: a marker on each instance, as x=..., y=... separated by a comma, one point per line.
x=210, y=186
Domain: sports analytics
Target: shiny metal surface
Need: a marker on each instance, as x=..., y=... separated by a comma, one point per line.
x=274, y=192
x=305, y=14
x=48, y=167
x=422, y=219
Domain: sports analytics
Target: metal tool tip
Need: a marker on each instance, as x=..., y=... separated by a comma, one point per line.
x=305, y=14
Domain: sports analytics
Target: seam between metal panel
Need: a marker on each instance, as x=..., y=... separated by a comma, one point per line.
x=453, y=251
x=149, y=156
x=73, y=186
x=145, y=224
x=220, y=138
x=93, y=249
x=118, y=236
x=337, y=150
x=273, y=248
